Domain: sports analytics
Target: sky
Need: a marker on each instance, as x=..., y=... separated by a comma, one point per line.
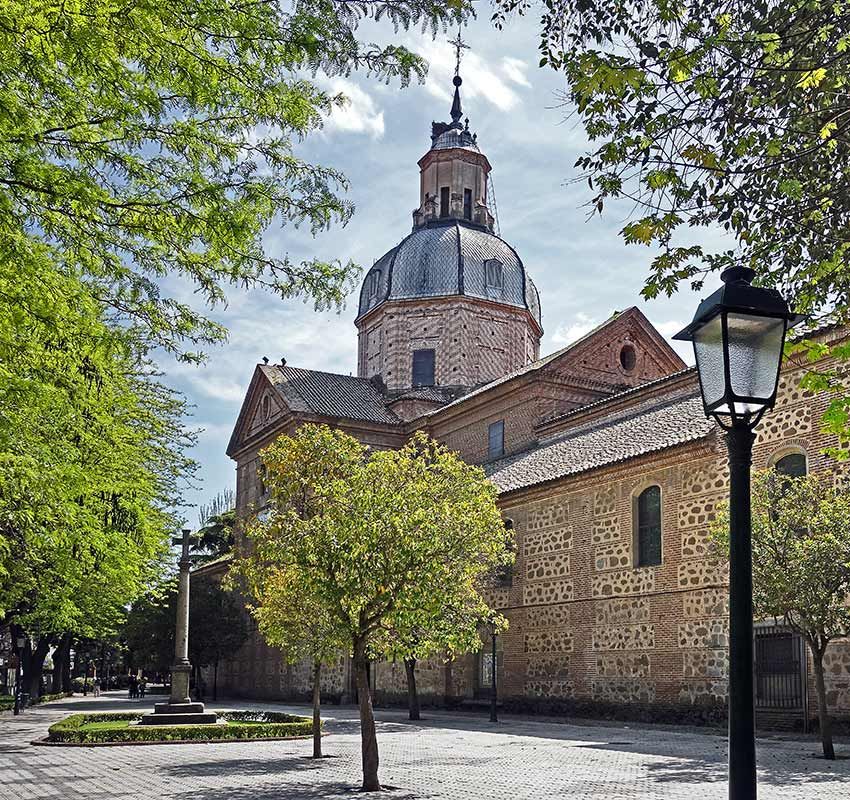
x=581, y=266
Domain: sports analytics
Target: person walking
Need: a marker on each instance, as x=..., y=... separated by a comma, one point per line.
x=134, y=687
x=143, y=685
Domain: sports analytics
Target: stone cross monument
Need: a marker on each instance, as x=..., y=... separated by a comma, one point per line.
x=182, y=668
x=180, y=710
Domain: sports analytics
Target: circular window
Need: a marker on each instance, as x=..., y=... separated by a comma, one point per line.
x=628, y=357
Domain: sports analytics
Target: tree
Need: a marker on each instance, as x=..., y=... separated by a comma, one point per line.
x=217, y=626
x=801, y=564
x=376, y=541
x=302, y=628
x=148, y=631
x=717, y=115
x=214, y=538
x=91, y=465
x=159, y=139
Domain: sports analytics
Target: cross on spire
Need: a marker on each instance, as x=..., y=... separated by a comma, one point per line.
x=459, y=46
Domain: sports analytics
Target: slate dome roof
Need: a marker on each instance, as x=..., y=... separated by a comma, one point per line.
x=447, y=260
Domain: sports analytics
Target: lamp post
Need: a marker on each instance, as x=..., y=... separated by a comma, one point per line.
x=738, y=334
x=21, y=643
x=494, y=717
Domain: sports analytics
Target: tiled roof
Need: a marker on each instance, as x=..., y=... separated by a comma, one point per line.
x=645, y=431
x=330, y=395
x=445, y=259
x=436, y=394
x=532, y=367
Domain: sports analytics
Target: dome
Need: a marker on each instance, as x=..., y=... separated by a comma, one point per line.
x=450, y=259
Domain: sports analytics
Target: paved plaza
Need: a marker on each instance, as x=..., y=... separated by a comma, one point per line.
x=444, y=756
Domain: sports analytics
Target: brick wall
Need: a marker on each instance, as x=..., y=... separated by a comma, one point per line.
x=475, y=341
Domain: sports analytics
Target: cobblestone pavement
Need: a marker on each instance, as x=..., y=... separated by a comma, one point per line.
x=444, y=756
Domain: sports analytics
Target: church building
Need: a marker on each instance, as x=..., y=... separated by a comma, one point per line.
x=607, y=469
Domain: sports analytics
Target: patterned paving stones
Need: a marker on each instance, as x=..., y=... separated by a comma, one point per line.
x=445, y=756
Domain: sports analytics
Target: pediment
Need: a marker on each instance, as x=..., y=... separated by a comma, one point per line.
x=625, y=351
x=263, y=408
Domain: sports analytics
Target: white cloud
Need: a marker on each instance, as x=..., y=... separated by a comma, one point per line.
x=514, y=70
x=568, y=332
x=479, y=78
x=359, y=115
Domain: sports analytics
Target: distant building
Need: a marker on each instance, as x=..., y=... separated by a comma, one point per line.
x=607, y=468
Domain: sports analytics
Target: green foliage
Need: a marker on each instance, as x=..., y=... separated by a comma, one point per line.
x=217, y=622
x=801, y=553
x=718, y=115
x=378, y=542
x=149, y=627
x=91, y=458
x=376, y=551
x=217, y=519
x=7, y=701
x=96, y=728
x=160, y=140
x=801, y=563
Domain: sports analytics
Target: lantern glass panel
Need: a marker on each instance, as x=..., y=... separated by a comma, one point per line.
x=708, y=349
x=755, y=351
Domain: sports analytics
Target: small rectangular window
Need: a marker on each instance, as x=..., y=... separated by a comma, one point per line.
x=493, y=276
x=496, y=439
x=444, y=201
x=423, y=367
x=467, y=203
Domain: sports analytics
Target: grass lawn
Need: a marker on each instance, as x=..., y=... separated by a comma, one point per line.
x=122, y=724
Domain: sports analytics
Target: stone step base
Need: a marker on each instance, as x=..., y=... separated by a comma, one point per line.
x=200, y=718
x=178, y=708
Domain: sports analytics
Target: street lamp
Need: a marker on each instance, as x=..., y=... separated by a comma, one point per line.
x=738, y=334
x=20, y=642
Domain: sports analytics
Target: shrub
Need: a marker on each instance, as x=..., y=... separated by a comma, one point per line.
x=7, y=701
x=255, y=725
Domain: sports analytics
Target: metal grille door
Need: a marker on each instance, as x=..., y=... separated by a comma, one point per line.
x=779, y=669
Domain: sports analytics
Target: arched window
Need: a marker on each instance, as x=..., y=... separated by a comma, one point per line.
x=792, y=465
x=648, y=527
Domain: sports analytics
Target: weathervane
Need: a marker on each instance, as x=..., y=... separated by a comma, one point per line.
x=459, y=46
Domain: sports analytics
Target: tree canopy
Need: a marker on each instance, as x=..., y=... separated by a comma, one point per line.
x=158, y=141
x=801, y=562
x=712, y=115
x=91, y=461
x=376, y=542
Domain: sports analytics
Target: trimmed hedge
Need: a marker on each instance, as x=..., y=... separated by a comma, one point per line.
x=7, y=701
x=257, y=725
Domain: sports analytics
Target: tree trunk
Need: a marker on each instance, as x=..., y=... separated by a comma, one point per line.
x=368, y=738
x=215, y=681
x=412, y=694
x=824, y=721
x=317, y=709
x=67, y=685
x=61, y=662
x=33, y=664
